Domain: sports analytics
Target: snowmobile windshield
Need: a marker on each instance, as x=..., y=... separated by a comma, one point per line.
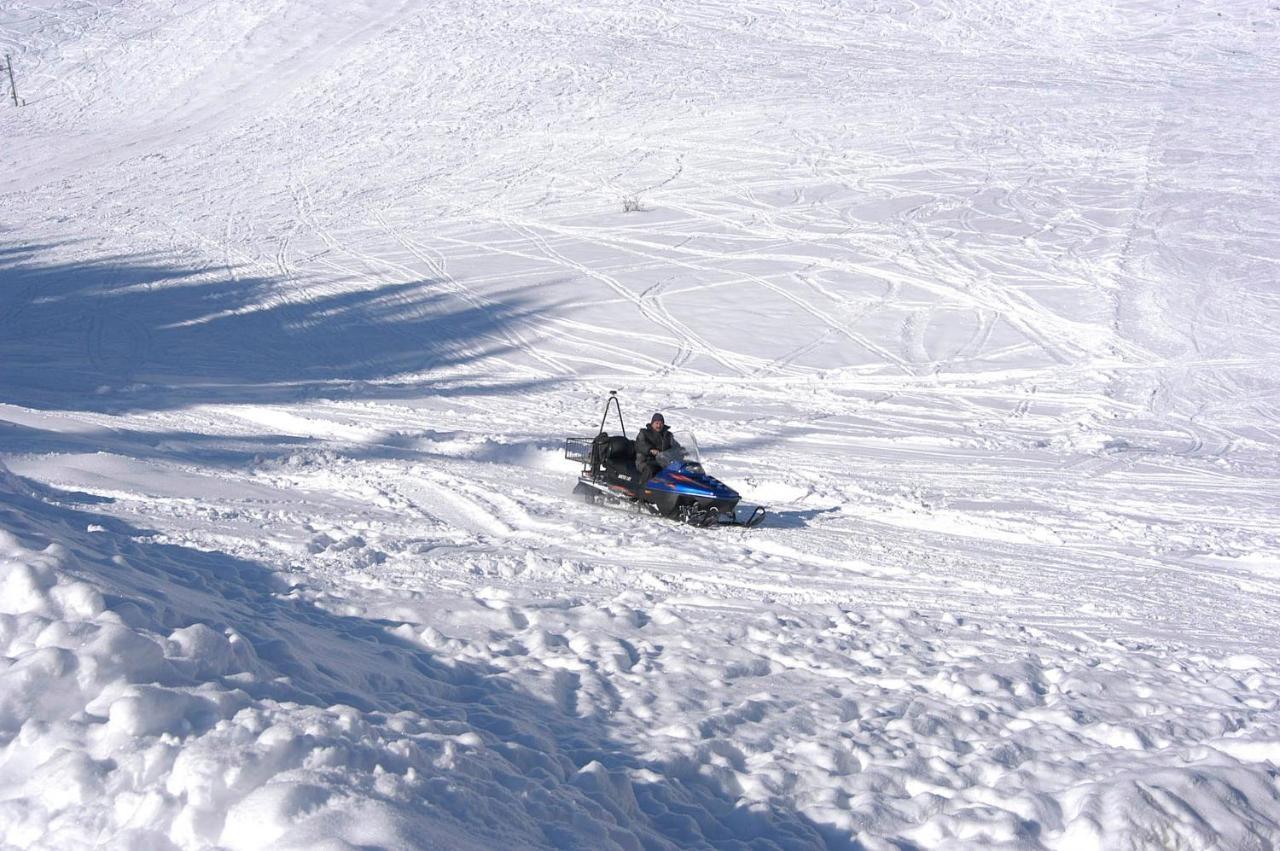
x=687, y=451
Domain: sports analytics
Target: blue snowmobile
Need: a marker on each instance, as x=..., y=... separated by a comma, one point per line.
x=682, y=490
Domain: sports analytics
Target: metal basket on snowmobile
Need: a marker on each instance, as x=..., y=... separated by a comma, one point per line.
x=579, y=449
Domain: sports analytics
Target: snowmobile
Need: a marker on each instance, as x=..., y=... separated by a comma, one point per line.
x=681, y=490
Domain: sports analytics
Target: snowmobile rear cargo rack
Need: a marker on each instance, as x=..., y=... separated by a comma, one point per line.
x=579, y=449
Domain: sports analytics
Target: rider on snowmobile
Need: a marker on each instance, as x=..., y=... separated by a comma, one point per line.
x=652, y=440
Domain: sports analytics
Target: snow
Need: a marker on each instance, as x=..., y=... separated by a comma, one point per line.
x=298, y=301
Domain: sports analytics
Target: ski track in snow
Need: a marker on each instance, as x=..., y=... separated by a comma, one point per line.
x=298, y=301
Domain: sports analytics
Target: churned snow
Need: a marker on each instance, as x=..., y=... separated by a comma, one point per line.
x=299, y=300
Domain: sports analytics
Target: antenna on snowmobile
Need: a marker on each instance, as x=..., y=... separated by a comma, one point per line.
x=613, y=400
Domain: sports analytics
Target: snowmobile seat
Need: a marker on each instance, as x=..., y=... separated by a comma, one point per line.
x=606, y=447
x=621, y=449
x=620, y=455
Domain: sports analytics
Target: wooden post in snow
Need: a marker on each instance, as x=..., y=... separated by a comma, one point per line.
x=13, y=87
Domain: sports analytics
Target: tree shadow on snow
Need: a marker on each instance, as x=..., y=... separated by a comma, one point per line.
x=311, y=656
x=209, y=450
x=134, y=333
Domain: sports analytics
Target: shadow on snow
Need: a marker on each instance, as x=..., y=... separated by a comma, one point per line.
x=358, y=662
x=131, y=333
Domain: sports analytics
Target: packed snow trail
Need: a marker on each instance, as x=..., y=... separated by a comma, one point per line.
x=298, y=301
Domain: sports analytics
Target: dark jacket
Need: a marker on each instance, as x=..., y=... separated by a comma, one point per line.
x=647, y=439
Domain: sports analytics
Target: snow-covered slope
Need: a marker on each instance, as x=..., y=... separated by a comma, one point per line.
x=297, y=301
x=158, y=694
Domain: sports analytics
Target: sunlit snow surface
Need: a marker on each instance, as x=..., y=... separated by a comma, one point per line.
x=298, y=300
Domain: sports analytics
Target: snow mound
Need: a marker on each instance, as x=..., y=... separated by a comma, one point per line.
x=156, y=697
